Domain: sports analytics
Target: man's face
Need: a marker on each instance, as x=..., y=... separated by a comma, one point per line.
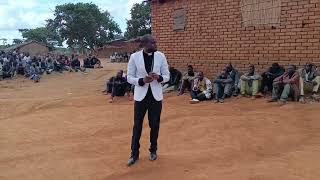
x=290, y=69
x=190, y=70
x=151, y=45
x=119, y=74
x=200, y=75
x=308, y=67
x=228, y=68
x=251, y=69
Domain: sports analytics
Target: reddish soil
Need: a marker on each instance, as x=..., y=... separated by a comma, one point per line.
x=64, y=128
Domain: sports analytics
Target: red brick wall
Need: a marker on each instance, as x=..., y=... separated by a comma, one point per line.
x=214, y=35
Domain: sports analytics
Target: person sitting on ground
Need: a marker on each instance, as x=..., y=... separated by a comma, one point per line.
x=309, y=81
x=6, y=70
x=1, y=72
x=235, y=76
x=95, y=62
x=57, y=65
x=43, y=66
x=34, y=73
x=201, y=89
x=187, y=80
x=50, y=66
x=250, y=83
x=87, y=62
x=267, y=77
x=173, y=83
x=75, y=65
x=118, y=86
x=285, y=86
x=223, y=86
x=20, y=67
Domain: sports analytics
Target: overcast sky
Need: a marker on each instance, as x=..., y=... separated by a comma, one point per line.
x=21, y=14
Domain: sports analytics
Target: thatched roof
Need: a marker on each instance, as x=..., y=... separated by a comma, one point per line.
x=16, y=46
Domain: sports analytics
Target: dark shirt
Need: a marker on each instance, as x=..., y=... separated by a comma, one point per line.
x=275, y=72
x=75, y=63
x=118, y=80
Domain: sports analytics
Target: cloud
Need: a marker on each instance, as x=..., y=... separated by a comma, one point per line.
x=21, y=14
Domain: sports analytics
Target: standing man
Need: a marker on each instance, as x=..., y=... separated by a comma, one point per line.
x=147, y=69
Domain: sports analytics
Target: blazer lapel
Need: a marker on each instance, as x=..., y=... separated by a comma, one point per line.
x=141, y=63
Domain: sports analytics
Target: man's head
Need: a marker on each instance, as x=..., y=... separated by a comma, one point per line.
x=200, y=76
x=251, y=69
x=275, y=66
x=149, y=43
x=291, y=69
x=308, y=67
x=120, y=73
x=229, y=67
x=190, y=69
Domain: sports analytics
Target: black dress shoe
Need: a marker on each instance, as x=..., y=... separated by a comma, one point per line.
x=153, y=156
x=132, y=160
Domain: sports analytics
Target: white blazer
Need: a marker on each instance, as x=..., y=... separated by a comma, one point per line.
x=137, y=70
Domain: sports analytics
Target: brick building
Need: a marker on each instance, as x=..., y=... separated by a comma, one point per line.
x=210, y=33
x=119, y=46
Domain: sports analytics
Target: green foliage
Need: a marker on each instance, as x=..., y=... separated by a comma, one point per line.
x=17, y=41
x=83, y=25
x=140, y=22
x=41, y=34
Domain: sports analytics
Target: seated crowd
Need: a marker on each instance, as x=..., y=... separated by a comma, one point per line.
x=120, y=57
x=283, y=84
x=15, y=63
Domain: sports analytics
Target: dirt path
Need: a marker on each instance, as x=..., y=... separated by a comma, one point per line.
x=63, y=128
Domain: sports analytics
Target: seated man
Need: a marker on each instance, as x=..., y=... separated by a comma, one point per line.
x=20, y=68
x=235, y=76
x=267, y=77
x=201, y=89
x=173, y=83
x=58, y=67
x=75, y=65
x=118, y=86
x=309, y=81
x=285, y=86
x=87, y=63
x=7, y=70
x=223, y=86
x=35, y=73
x=50, y=66
x=95, y=62
x=43, y=66
x=250, y=83
x=1, y=72
x=187, y=80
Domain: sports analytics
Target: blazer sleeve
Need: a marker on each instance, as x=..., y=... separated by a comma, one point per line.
x=132, y=72
x=164, y=70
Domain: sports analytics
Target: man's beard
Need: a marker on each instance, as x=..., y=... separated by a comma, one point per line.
x=151, y=50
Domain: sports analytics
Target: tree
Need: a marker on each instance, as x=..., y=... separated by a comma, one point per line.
x=83, y=25
x=4, y=41
x=140, y=22
x=41, y=34
x=17, y=41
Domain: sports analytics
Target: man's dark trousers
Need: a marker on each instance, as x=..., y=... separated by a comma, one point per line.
x=154, y=112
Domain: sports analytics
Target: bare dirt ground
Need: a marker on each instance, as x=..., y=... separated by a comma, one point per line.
x=64, y=128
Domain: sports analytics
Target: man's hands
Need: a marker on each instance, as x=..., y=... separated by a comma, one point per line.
x=155, y=76
x=151, y=77
x=148, y=79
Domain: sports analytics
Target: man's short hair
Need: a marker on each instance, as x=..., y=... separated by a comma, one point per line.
x=146, y=38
